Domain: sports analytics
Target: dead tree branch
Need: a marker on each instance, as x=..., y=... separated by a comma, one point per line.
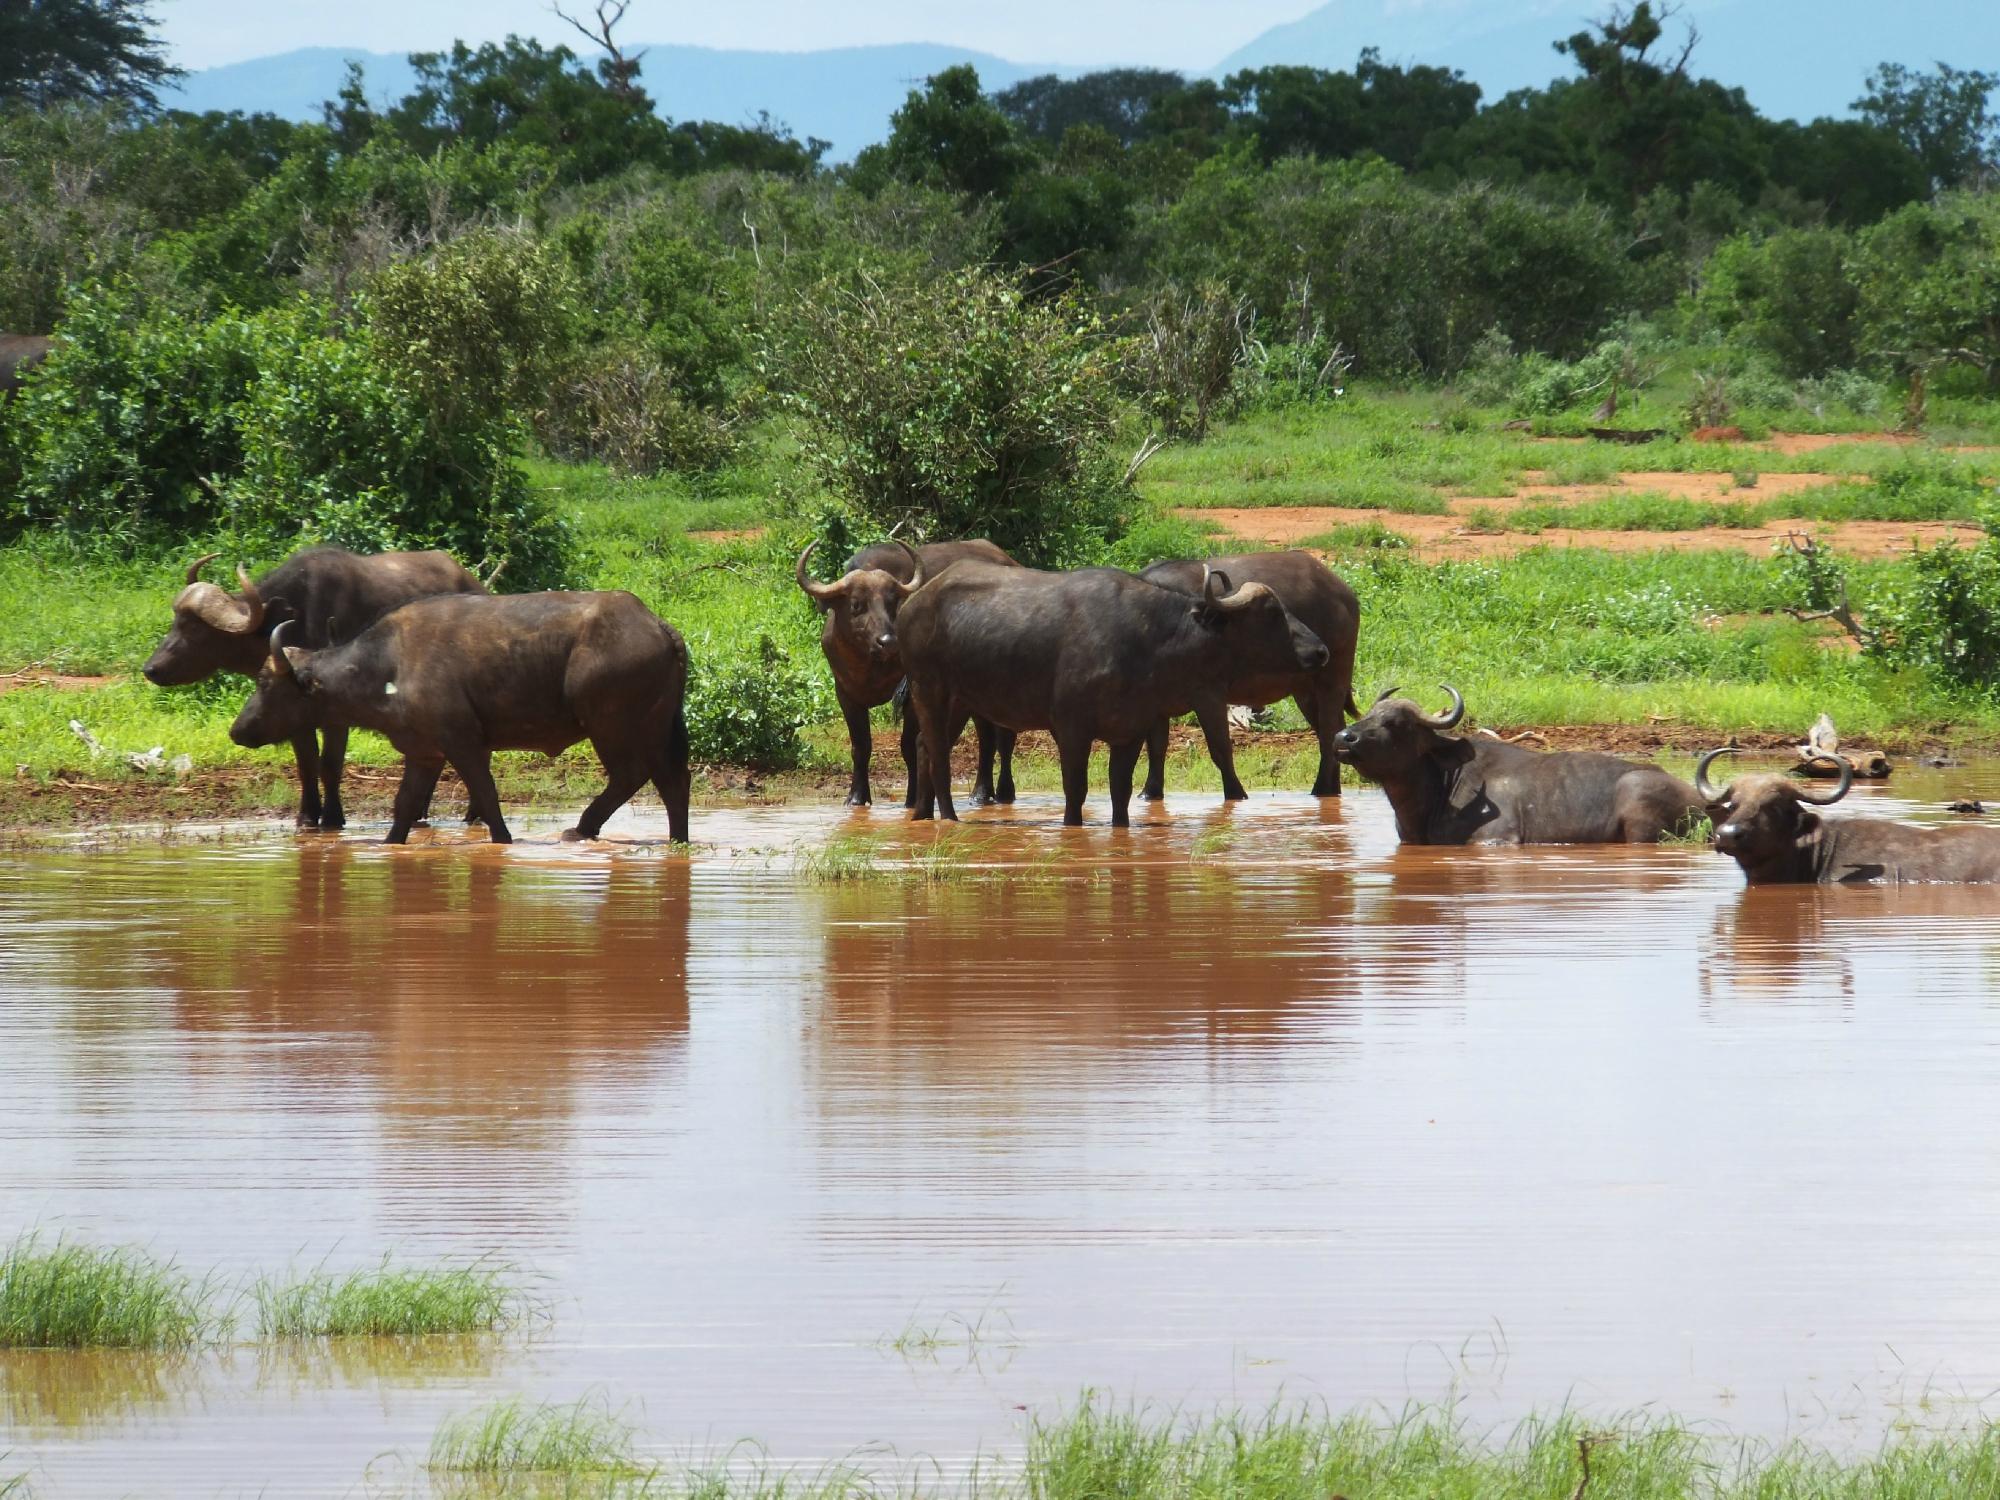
x=619, y=70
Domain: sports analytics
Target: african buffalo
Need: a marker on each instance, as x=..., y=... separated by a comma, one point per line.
x=20, y=352
x=1317, y=598
x=1097, y=654
x=1766, y=824
x=451, y=679
x=332, y=595
x=1447, y=790
x=859, y=639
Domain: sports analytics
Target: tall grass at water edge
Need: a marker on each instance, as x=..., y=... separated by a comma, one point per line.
x=61, y=1295
x=515, y=1437
x=389, y=1301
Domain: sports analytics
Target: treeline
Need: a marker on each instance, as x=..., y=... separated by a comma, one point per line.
x=351, y=327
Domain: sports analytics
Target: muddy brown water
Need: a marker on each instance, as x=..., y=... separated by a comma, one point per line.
x=1239, y=1103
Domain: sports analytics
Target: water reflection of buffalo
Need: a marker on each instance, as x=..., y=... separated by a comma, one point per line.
x=1766, y=823
x=1321, y=601
x=1097, y=654
x=1447, y=790
x=859, y=639
x=328, y=595
x=449, y=680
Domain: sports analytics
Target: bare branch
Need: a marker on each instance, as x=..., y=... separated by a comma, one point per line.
x=1147, y=450
x=620, y=71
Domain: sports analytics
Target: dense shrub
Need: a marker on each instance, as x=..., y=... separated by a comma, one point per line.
x=1928, y=283
x=1187, y=356
x=749, y=700
x=1787, y=295
x=956, y=408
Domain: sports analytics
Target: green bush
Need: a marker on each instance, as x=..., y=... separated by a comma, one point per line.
x=1787, y=295
x=958, y=408
x=145, y=429
x=749, y=701
x=1928, y=291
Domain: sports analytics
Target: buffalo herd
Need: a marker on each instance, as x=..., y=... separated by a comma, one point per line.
x=414, y=647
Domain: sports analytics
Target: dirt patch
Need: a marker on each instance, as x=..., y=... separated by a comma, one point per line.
x=1534, y=490
x=1446, y=538
x=747, y=534
x=1814, y=442
x=31, y=677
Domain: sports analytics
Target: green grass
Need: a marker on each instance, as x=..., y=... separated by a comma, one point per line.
x=62, y=1295
x=1100, y=1451
x=390, y=1301
x=941, y=856
x=519, y=1438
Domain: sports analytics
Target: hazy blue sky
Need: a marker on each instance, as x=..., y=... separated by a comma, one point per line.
x=1170, y=33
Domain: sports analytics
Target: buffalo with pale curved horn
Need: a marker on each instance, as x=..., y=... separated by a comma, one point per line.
x=859, y=639
x=1096, y=654
x=1767, y=824
x=1449, y=790
x=332, y=595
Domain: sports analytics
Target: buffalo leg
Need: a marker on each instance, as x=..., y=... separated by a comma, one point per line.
x=624, y=774
x=982, y=778
x=305, y=751
x=1124, y=760
x=1322, y=710
x=1215, y=730
x=934, y=780
x=475, y=768
x=1004, y=741
x=413, y=796
x=1074, y=753
x=673, y=780
x=332, y=762
x=1155, y=789
x=861, y=745
x=913, y=754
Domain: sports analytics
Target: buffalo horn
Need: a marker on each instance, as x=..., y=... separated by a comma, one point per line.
x=1245, y=595
x=1214, y=584
x=253, y=602
x=917, y=580
x=1449, y=719
x=819, y=593
x=278, y=658
x=1386, y=694
x=1827, y=799
x=1708, y=790
x=195, y=567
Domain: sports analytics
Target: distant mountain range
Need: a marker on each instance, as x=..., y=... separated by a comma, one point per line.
x=1797, y=58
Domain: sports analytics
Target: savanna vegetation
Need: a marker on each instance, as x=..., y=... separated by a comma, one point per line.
x=525, y=315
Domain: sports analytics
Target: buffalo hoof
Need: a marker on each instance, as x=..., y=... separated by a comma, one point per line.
x=1006, y=794
x=1327, y=791
x=859, y=800
x=333, y=822
x=980, y=799
x=1147, y=794
x=578, y=836
x=503, y=837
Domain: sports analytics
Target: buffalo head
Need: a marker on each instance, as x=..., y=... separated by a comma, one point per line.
x=280, y=707
x=1762, y=818
x=1395, y=734
x=1263, y=635
x=213, y=630
x=861, y=606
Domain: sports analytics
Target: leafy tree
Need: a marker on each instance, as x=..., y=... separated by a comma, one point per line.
x=948, y=134
x=54, y=51
x=1928, y=279
x=1788, y=295
x=1114, y=100
x=1944, y=117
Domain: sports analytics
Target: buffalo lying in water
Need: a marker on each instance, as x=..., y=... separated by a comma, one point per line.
x=330, y=595
x=1766, y=823
x=859, y=640
x=449, y=680
x=1317, y=598
x=1447, y=790
x=1096, y=654
x=20, y=352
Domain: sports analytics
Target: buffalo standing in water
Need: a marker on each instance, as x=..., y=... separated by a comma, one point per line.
x=1447, y=790
x=1317, y=598
x=450, y=680
x=1097, y=654
x=1767, y=825
x=859, y=639
x=331, y=595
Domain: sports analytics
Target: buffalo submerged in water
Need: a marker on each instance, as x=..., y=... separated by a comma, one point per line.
x=1767, y=824
x=1095, y=654
x=1448, y=790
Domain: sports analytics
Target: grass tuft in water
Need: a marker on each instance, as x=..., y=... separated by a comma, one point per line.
x=390, y=1301
x=522, y=1438
x=942, y=860
x=1692, y=835
x=847, y=857
x=70, y=1296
